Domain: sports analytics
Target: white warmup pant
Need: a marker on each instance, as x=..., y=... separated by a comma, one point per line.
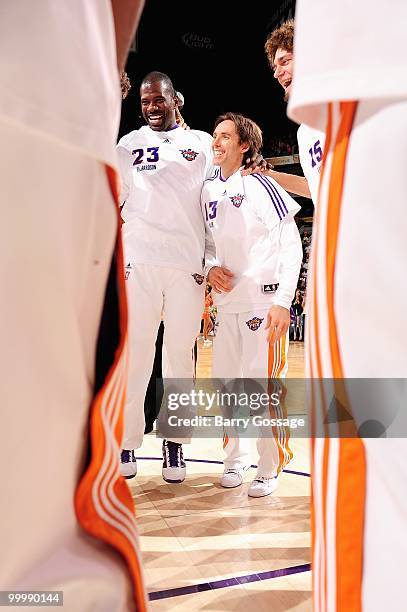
x=58, y=231
x=357, y=330
x=241, y=350
x=154, y=291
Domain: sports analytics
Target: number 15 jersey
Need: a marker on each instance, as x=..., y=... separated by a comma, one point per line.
x=310, y=147
x=162, y=174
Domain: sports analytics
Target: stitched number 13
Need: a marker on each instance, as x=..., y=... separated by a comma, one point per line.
x=316, y=153
x=139, y=153
x=211, y=214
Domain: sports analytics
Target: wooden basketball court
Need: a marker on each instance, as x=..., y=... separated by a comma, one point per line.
x=209, y=548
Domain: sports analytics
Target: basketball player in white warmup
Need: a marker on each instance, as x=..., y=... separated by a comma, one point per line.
x=355, y=88
x=163, y=168
x=253, y=256
x=280, y=53
x=62, y=375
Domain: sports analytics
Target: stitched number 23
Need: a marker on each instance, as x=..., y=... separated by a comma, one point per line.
x=139, y=153
x=316, y=153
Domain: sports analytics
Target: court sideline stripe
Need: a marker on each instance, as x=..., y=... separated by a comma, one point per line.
x=228, y=582
x=221, y=463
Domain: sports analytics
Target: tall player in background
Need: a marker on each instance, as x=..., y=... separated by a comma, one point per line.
x=253, y=256
x=280, y=54
x=63, y=320
x=355, y=88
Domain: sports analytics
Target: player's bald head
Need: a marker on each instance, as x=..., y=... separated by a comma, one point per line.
x=158, y=77
x=158, y=101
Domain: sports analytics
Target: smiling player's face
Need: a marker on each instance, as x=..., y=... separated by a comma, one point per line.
x=283, y=66
x=158, y=106
x=228, y=151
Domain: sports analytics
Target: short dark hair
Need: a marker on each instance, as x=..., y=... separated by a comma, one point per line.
x=280, y=38
x=247, y=130
x=153, y=77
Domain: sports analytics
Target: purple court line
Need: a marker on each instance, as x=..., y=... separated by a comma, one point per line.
x=220, y=463
x=228, y=582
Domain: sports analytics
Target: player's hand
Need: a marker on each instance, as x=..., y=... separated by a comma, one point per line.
x=278, y=321
x=255, y=164
x=180, y=120
x=220, y=279
x=125, y=84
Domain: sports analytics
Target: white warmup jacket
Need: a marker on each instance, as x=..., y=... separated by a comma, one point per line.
x=250, y=230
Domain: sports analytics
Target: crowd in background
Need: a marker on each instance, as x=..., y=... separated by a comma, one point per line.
x=297, y=311
x=276, y=147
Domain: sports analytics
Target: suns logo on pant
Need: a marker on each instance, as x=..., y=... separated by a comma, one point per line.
x=254, y=323
x=237, y=199
x=127, y=271
x=199, y=279
x=189, y=154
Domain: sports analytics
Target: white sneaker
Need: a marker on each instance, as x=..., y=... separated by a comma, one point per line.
x=128, y=464
x=174, y=469
x=233, y=477
x=261, y=486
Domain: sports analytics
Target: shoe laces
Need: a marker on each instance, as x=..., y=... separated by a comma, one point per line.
x=174, y=456
x=127, y=456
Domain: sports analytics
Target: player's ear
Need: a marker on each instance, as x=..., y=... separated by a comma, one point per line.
x=244, y=147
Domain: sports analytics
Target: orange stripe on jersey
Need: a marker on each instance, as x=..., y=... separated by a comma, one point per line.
x=225, y=439
x=103, y=502
x=277, y=360
x=313, y=573
x=350, y=517
x=334, y=208
x=318, y=573
x=350, y=506
x=283, y=353
x=315, y=251
x=314, y=325
x=325, y=465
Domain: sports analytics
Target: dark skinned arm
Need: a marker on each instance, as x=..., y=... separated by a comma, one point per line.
x=290, y=182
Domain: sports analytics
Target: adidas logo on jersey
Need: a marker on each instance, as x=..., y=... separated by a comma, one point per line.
x=270, y=288
x=167, y=140
x=254, y=323
x=189, y=154
x=127, y=271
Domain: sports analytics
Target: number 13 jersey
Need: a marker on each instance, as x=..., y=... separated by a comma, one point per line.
x=250, y=230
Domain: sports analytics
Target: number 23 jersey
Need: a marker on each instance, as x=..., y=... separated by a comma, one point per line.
x=162, y=174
